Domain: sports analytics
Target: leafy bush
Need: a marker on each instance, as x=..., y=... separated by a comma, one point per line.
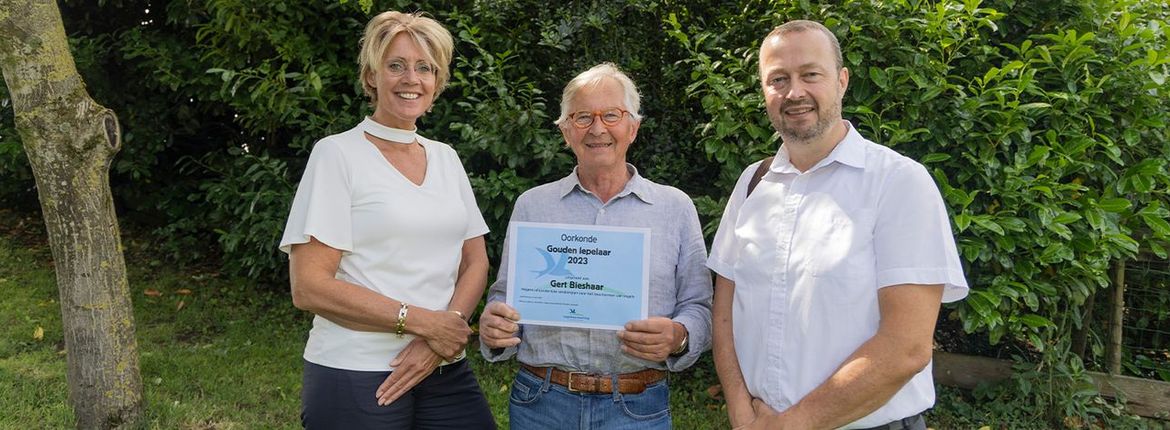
x=16, y=189
x=251, y=197
x=1044, y=124
x=1048, y=145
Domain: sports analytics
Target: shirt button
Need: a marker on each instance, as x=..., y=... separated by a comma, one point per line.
x=601, y=211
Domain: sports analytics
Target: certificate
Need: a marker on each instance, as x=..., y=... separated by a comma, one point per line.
x=571, y=275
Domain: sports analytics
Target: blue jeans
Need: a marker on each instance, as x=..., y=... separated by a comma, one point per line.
x=535, y=403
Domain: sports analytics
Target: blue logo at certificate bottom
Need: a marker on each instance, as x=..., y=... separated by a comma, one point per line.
x=574, y=315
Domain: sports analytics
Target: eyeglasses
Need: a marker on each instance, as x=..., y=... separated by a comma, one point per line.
x=584, y=119
x=398, y=68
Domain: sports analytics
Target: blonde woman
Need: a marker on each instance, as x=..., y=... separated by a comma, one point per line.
x=386, y=248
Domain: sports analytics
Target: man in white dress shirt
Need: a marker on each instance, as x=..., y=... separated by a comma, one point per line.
x=832, y=259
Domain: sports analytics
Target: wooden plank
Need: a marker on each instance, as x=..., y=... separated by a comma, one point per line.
x=968, y=371
x=1145, y=397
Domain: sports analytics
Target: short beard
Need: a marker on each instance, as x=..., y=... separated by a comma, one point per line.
x=825, y=120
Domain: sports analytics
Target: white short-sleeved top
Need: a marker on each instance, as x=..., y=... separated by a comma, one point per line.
x=808, y=252
x=397, y=238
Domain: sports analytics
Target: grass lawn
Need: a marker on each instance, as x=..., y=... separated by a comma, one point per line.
x=216, y=353
x=220, y=353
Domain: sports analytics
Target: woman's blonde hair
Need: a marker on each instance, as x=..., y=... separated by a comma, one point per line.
x=435, y=41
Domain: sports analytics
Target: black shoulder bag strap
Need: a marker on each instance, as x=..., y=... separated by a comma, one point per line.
x=759, y=175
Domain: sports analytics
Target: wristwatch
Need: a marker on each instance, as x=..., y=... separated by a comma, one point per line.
x=684, y=346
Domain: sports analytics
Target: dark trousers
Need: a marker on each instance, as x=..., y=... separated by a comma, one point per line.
x=450, y=398
x=916, y=422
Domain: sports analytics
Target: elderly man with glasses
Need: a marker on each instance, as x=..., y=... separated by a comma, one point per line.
x=594, y=378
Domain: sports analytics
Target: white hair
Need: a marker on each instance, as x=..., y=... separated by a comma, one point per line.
x=593, y=77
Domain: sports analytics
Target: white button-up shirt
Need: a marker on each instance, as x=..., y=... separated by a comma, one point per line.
x=809, y=251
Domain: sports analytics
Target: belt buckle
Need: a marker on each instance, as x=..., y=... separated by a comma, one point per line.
x=445, y=363
x=569, y=385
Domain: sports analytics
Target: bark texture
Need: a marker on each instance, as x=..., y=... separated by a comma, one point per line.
x=70, y=141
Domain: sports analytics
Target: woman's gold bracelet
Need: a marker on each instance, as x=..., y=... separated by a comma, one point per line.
x=400, y=328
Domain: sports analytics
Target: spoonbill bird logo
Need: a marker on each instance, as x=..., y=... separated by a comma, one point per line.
x=556, y=268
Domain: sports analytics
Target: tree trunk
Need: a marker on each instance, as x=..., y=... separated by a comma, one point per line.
x=1080, y=339
x=70, y=141
x=1117, y=319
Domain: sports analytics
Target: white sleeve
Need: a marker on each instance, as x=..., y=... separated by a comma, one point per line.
x=724, y=248
x=913, y=241
x=476, y=226
x=322, y=206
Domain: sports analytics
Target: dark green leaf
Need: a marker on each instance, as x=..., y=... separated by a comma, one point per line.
x=1035, y=321
x=1115, y=205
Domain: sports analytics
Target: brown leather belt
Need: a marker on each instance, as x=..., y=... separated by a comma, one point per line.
x=581, y=382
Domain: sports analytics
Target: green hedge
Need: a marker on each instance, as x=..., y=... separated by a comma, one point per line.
x=1043, y=122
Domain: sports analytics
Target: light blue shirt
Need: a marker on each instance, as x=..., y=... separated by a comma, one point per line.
x=680, y=284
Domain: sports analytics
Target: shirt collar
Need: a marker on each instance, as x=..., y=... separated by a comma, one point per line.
x=850, y=152
x=637, y=185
